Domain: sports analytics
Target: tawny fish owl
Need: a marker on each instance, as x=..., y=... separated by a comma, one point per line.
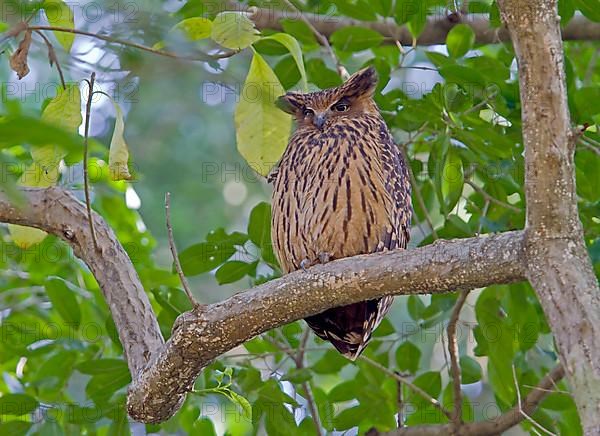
x=340, y=189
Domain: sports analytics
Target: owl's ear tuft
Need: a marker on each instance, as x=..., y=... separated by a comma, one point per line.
x=290, y=102
x=361, y=83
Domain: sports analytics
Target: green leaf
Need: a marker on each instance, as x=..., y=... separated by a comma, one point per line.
x=468, y=78
x=242, y=402
x=320, y=75
x=18, y=130
x=17, y=404
x=345, y=391
x=299, y=30
x=194, y=28
x=259, y=230
x=60, y=15
x=204, y=257
x=589, y=8
x=292, y=45
x=3, y=26
x=101, y=387
x=297, y=375
x=415, y=307
x=566, y=10
x=234, y=30
x=406, y=9
x=354, y=38
x=452, y=179
x=460, y=40
x=102, y=366
x=430, y=382
x=330, y=363
x=582, y=99
x=408, y=356
x=118, y=156
x=470, y=370
x=15, y=428
x=262, y=130
x=384, y=329
x=205, y=427
x=287, y=72
x=416, y=23
x=232, y=271
x=64, y=301
x=495, y=20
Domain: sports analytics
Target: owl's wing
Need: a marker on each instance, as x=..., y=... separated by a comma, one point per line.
x=397, y=185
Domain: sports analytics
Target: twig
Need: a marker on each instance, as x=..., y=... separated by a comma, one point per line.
x=196, y=57
x=312, y=405
x=484, y=212
x=298, y=359
x=491, y=198
x=435, y=403
x=399, y=404
x=454, y=359
x=520, y=405
x=322, y=39
x=53, y=58
x=184, y=282
x=86, y=182
x=495, y=426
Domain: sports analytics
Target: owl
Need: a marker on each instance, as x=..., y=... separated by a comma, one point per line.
x=340, y=189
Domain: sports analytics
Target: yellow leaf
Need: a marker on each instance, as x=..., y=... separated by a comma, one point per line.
x=234, y=30
x=35, y=176
x=63, y=111
x=60, y=15
x=118, y=156
x=25, y=237
x=194, y=28
x=262, y=130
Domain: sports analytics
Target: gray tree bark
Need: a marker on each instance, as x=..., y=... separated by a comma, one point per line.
x=557, y=261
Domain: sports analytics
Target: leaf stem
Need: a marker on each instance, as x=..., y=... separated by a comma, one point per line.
x=86, y=182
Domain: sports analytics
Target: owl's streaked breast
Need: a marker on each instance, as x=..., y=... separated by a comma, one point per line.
x=330, y=194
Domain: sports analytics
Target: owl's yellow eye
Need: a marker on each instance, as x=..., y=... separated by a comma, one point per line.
x=341, y=107
x=308, y=112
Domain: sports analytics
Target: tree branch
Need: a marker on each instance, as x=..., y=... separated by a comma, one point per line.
x=558, y=264
x=435, y=31
x=493, y=426
x=455, y=359
x=58, y=212
x=203, y=334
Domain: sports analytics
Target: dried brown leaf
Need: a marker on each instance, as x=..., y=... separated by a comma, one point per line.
x=18, y=60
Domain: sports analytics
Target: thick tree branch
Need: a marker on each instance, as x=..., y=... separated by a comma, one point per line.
x=202, y=335
x=558, y=264
x=435, y=31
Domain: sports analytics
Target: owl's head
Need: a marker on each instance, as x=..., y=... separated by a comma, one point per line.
x=351, y=99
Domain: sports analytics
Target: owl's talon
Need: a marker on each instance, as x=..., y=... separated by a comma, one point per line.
x=304, y=264
x=324, y=257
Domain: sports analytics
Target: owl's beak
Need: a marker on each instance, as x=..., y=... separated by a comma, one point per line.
x=319, y=120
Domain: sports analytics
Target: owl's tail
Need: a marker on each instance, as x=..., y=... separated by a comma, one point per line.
x=349, y=328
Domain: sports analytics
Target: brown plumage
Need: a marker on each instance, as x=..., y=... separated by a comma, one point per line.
x=340, y=189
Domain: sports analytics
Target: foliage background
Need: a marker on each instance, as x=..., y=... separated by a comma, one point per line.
x=459, y=122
